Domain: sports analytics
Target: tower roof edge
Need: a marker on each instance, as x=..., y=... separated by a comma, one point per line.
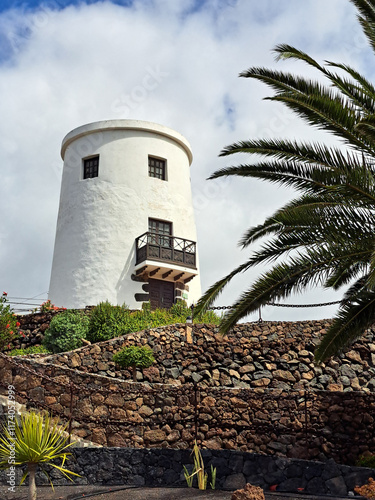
x=107, y=125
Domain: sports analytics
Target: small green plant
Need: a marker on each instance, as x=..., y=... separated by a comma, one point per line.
x=66, y=331
x=189, y=477
x=8, y=323
x=146, y=308
x=134, y=357
x=213, y=477
x=198, y=470
x=34, y=349
x=209, y=317
x=366, y=461
x=35, y=441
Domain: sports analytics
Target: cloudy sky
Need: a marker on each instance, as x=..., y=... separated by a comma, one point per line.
x=65, y=63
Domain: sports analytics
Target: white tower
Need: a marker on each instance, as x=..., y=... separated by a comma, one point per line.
x=125, y=230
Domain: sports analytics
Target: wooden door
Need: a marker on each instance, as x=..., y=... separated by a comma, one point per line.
x=161, y=294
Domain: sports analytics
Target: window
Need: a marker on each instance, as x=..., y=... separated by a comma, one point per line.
x=160, y=231
x=91, y=167
x=156, y=168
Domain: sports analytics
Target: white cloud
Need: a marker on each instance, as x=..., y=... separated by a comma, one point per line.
x=175, y=63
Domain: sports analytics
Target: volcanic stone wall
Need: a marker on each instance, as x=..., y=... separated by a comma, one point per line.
x=164, y=467
x=275, y=355
x=255, y=389
x=32, y=328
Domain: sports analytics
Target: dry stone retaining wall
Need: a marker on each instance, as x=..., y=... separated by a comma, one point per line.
x=112, y=412
x=256, y=389
x=254, y=355
x=33, y=327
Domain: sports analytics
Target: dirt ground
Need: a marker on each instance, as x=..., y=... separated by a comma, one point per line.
x=124, y=493
x=114, y=493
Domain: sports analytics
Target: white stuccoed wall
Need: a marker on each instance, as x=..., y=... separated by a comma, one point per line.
x=100, y=218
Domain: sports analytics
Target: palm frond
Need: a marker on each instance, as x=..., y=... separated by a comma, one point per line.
x=366, y=8
x=366, y=127
x=366, y=19
x=330, y=114
x=358, y=95
x=364, y=92
x=304, y=152
x=302, y=212
x=371, y=274
x=289, y=174
x=324, y=108
x=345, y=273
x=326, y=234
x=215, y=290
x=351, y=322
x=313, y=267
x=286, y=51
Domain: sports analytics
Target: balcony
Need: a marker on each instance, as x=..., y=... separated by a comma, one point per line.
x=165, y=249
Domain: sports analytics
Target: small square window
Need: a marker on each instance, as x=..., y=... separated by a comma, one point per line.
x=91, y=167
x=156, y=168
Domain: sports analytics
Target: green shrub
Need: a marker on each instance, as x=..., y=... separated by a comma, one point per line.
x=66, y=331
x=180, y=310
x=107, y=322
x=8, y=323
x=178, y=313
x=366, y=462
x=209, y=317
x=34, y=349
x=134, y=357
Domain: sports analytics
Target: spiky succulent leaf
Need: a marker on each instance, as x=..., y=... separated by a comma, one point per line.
x=36, y=440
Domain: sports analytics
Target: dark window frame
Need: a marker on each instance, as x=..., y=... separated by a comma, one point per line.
x=91, y=167
x=157, y=167
x=161, y=232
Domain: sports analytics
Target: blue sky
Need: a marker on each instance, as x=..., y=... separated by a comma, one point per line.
x=64, y=64
x=55, y=4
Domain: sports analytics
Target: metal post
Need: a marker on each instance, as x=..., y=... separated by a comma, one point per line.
x=305, y=394
x=196, y=411
x=260, y=320
x=70, y=410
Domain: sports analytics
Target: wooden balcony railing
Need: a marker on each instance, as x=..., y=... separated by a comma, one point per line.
x=165, y=248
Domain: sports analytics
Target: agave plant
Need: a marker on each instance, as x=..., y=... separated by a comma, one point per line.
x=326, y=235
x=35, y=441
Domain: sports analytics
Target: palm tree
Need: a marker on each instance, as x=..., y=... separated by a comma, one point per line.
x=33, y=442
x=326, y=235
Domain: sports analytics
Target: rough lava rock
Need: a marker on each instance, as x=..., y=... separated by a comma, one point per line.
x=250, y=492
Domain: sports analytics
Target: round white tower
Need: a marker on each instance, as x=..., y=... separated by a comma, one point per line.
x=125, y=230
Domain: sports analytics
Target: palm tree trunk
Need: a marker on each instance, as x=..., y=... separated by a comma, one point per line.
x=32, y=486
x=134, y=373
